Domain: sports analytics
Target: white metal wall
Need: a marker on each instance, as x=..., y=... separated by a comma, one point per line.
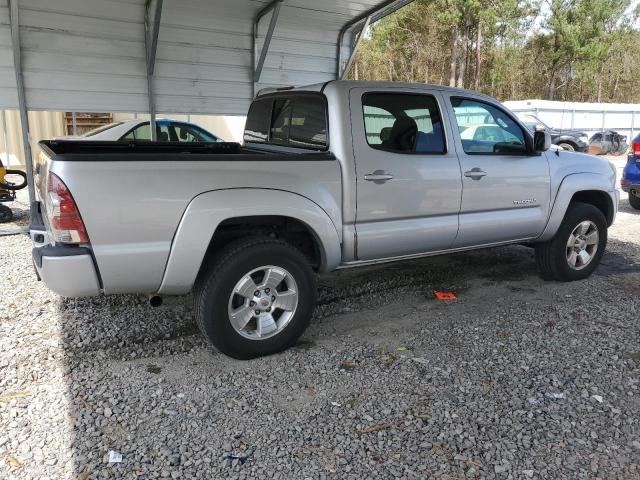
x=43, y=125
x=46, y=125
x=8, y=93
x=589, y=117
x=79, y=52
x=89, y=55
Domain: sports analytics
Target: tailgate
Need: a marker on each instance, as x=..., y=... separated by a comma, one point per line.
x=38, y=230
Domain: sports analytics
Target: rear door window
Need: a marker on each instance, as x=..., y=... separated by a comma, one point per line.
x=403, y=123
x=143, y=132
x=164, y=132
x=188, y=133
x=98, y=130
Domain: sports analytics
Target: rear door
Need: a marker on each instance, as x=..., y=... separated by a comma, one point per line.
x=407, y=175
x=506, y=189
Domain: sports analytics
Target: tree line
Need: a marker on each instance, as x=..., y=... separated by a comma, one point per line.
x=573, y=50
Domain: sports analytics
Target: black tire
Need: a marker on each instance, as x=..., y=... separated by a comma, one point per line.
x=551, y=256
x=567, y=146
x=6, y=215
x=215, y=286
x=13, y=186
x=634, y=200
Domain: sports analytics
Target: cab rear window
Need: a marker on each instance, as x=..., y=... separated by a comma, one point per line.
x=290, y=120
x=257, y=127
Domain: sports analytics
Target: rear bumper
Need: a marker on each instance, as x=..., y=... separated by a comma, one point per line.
x=68, y=271
x=631, y=175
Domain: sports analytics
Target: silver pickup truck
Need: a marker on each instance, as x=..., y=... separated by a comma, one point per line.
x=330, y=176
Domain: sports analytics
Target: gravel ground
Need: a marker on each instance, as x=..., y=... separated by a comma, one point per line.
x=517, y=378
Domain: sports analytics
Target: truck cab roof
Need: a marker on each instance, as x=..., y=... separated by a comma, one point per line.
x=340, y=85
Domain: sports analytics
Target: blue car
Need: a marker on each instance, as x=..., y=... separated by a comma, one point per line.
x=630, y=181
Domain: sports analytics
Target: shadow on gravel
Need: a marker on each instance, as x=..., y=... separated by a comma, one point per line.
x=119, y=352
x=625, y=207
x=617, y=259
x=368, y=287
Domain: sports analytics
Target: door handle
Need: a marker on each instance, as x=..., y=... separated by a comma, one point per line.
x=379, y=176
x=475, y=173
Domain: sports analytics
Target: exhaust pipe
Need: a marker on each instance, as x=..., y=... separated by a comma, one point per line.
x=155, y=300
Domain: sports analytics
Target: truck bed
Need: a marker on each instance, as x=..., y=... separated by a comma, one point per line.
x=78, y=150
x=132, y=196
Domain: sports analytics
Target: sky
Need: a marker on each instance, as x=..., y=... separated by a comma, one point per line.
x=544, y=10
x=633, y=5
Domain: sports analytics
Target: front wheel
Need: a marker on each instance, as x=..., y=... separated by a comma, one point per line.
x=256, y=298
x=577, y=247
x=634, y=200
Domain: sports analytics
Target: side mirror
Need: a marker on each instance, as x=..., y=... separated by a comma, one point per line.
x=541, y=141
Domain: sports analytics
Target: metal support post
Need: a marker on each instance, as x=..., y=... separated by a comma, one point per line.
x=257, y=64
x=152, y=14
x=14, y=19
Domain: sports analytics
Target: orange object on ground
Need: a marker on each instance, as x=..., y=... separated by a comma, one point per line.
x=444, y=295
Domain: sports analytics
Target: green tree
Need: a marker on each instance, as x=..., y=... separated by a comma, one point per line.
x=583, y=50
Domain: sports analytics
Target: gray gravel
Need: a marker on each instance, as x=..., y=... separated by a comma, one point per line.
x=518, y=378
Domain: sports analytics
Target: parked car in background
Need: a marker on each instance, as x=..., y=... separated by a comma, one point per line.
x=567, y=139
x=608, y=142
x=485, y=133
x=630, y=181
x=168, y=131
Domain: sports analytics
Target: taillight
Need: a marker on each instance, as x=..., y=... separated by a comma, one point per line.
x=62, y=211
x=635, y=147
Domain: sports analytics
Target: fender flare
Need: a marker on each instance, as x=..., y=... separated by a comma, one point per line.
x=566, y=139
x=570, y=185
x=208, y=210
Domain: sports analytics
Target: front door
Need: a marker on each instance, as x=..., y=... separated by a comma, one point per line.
x=506, y=189
x=408, y=176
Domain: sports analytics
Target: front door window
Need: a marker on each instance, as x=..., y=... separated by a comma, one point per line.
x=485, y=129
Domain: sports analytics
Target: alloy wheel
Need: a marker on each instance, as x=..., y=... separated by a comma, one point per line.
x=263, y=302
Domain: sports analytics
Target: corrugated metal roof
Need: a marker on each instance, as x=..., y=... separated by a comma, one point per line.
x=90, y=54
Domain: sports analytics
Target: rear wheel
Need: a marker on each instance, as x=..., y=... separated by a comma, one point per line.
x=256, y=298
x=634, y=199
x=576, y=249
x=567, y=146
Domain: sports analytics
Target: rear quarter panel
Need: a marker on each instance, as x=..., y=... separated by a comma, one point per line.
x=131, y=210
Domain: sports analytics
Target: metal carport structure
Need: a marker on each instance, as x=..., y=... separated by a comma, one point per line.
x=189, y=56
